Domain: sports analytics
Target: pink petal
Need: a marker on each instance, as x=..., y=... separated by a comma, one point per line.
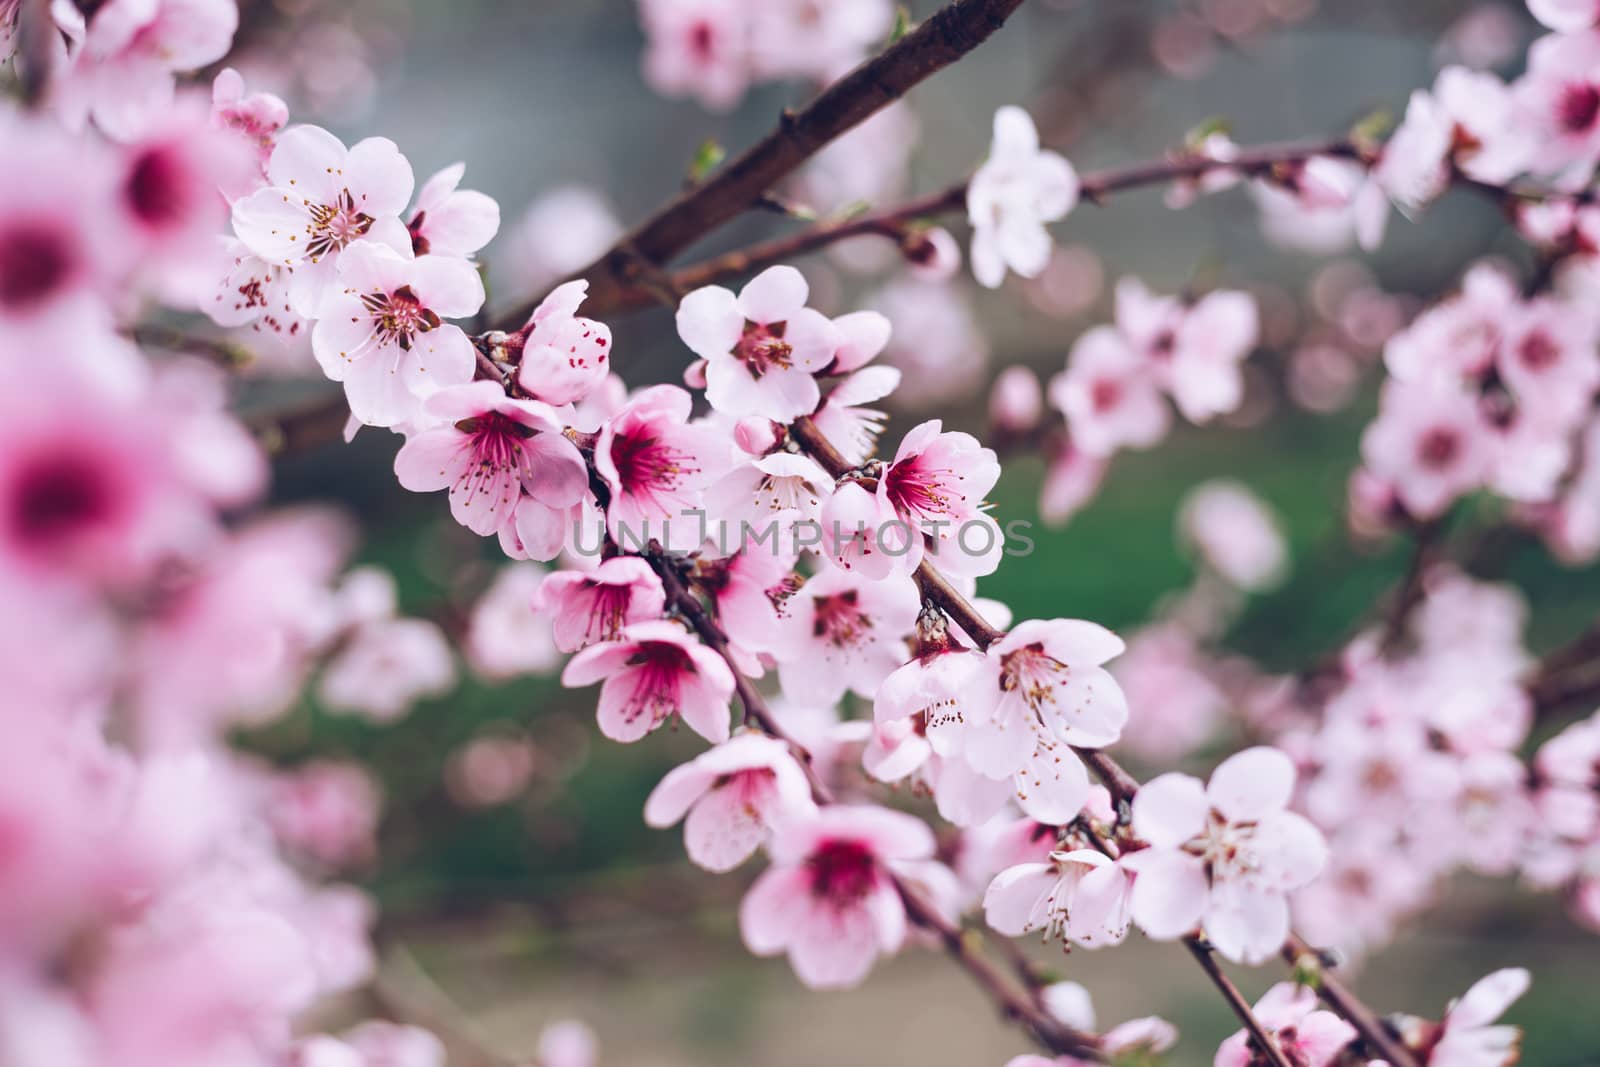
x=1252, y=784
x=1170, y=810
x=1169, y=893
x=774, y=295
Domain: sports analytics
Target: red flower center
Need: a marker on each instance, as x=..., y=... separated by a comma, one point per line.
x=155, y=189
x=57, y=499
x=1578, y=107
x=840, y=620
x=34, y=261
x=762, y=348
x=842, y=872
x=1439, y=448
x=1105, y=394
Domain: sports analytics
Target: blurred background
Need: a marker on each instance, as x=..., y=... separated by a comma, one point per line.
x=516, y=877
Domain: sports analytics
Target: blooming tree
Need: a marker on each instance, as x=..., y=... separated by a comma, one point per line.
x=717, y=544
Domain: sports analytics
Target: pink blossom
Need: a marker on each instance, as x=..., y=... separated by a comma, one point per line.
x=936, y=483
x=1304, y=1034
x=653, y=671
x=767, y=498
x=762, y=347
x=328, y=811
x=1456, y=339
x=1070, y=483
x=382, y=333
x=1559, y=99
x=321, y=199
x=816, y=39
x=1235, y=533
x=697, y=48
x=385, y=1044
x=489, y=450
x=1550, y=359
x=597, y=605
x=829, y=898
x=937, y=344
x=844, y=632
x=1109, y=396
x=505, y=637
x=386, y=667
x=1468, y=1035
x=1430, y=444
x=1043, y=689
x=1224, y=856
x=863, y=335
x=255, y=118
x=1194, y=350
x=734, y=796
x=657, y=466
x=170, y=207
x=450, y=221
x=1016, y=401
x=846, y=420
x=565, y=356
x=1018, y=189
x=567, y=1043
x=123, y=74
x=1080, y=896
x=1565, y=16
x=249, y=291
x=1180, y=705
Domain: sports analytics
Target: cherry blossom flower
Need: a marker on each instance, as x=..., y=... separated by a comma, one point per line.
x=1467, y=1036
x=124, y=74
x=596, y=605
x=170, y=209
x=567, y=1043
x=765, y=499
x=256, y=118
x=846, y=420
x=734, y=796
x=657, y=466
x=762, y=347
x=653, y=671
x=937, y=344
x=328, y=811
x=450, y=221
x=56, y=200
x=1429, y=444
x=1304, y=1034
x=505, y=636
x=321, y=199
x=1559, y=99
x=1082, y=896
x=1550, y=359
x=565, y=356
x=1565, y=16
x=383, y=332
x=697, y=48
x=1018, y=189
x=1223, y=856
x=844, y=632
x=388, y=666
x=816, y=39
x=1195, y=351
x=1016, y=401
x=829, y=899
x=489, y=450
x=249, y=291
x=1043, y=689
x=936, y=483
x=1109, y=396
x=1235, y=533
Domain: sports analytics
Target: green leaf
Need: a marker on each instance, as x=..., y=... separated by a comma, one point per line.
x=707, y=158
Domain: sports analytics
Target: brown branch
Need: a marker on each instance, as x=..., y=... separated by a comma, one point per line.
x=894, y=222
x=222, y=352
x=1264, y=1039
x=306, y=426
x=943, y=38
x=1347, y=1004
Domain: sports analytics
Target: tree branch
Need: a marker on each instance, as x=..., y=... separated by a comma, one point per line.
x=942, y=39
